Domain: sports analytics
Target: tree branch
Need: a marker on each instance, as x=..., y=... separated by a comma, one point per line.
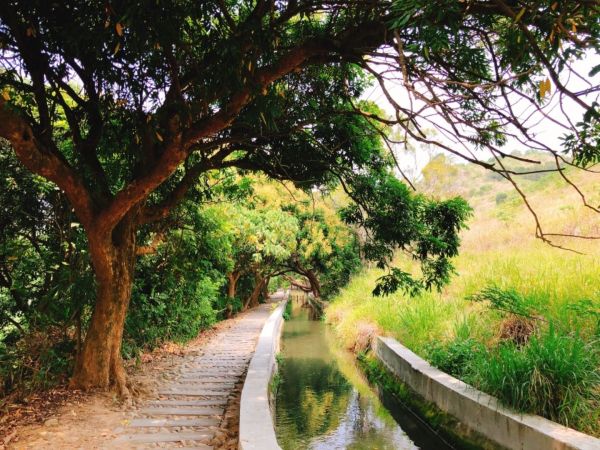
x=46, y=162
x=180, y=145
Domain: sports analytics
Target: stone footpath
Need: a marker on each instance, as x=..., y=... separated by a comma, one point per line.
x=192, y=404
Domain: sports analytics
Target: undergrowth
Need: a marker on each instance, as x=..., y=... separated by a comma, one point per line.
x=39, y=361
x=555, y=375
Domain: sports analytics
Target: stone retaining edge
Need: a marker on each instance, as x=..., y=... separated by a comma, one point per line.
x=257, y=431
x=475, y=409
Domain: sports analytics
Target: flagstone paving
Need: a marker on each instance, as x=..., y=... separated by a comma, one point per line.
x=191, y=403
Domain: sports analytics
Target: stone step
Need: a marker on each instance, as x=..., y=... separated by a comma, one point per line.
x=189, y=383
x=168, y=402
x=194, y=393
x=203, y=422
x=147, y=438
x=193, y=396
x=218, y=354
x=203, y=373
x=219, y=363
x=222, y=359
x=200, y=378
x=201, y=386
x=212, y=380
x=210, y=376
x=181, y=411
x=197, y=447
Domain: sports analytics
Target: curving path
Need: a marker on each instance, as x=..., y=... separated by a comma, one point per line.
x=192, y=404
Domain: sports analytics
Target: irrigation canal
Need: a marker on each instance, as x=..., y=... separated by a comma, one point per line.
x=324, y=401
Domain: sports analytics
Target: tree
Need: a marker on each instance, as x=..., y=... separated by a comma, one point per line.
x=150, y=104
x=269, y=235
x=326, y=251
x=491, y=77
x=321, y=249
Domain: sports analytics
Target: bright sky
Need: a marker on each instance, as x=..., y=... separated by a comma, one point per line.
x=545, y=130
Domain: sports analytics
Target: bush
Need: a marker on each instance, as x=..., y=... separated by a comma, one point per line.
x=221, y=304
x=176, y=312
x=501, y=197
x=37, y=361
x=287, y=314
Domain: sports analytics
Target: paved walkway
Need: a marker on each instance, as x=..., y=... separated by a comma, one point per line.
x=191, y=405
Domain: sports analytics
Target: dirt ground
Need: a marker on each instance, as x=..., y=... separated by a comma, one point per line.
x=65, y=419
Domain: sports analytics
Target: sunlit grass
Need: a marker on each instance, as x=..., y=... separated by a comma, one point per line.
x=500, y=250
x=551, y=281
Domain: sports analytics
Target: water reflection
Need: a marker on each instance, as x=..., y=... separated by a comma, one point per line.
x=324, y=401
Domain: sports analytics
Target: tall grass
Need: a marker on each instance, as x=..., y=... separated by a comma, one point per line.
x=555, y=375
x=551, y=281
x=556, y=372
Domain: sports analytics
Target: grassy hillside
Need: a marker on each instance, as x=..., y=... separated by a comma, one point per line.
x=544, y=359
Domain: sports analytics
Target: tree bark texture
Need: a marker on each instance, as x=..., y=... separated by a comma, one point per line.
x=99, y=364
x=314, y=283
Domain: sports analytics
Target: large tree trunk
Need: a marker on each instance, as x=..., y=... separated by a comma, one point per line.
x=252, y=301
x=265, y=288
x=99, y=364
x=316, y=310
x=232, y=280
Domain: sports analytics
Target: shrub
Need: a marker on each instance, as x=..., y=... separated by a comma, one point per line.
x=501, y=197
x=224, y=306
x=287, y=313
x=176, y=312
x=517, y=329
x=37, y=361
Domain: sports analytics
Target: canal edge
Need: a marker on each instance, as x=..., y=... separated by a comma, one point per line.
x=256, y=429
x=480, y=413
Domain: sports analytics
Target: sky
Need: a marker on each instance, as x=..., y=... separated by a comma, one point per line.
x=545, y=130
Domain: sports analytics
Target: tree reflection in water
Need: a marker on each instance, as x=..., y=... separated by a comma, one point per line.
x=319, y=403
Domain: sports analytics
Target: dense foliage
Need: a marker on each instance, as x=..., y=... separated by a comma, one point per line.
x=247, y=225
x=126, y=105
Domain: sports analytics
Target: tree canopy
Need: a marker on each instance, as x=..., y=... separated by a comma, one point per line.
x=124, y=105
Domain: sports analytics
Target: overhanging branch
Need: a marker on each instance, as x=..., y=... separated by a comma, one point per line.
x=46, y=162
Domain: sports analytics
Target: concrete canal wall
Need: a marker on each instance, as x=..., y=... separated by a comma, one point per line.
x=476, y=410
x=257, y=431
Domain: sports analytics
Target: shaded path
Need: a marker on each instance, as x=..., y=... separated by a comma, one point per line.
x=194, y=403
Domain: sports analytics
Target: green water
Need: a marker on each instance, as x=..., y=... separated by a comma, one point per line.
x=324, y=401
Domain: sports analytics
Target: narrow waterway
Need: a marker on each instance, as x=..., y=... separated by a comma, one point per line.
x=324, y=402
